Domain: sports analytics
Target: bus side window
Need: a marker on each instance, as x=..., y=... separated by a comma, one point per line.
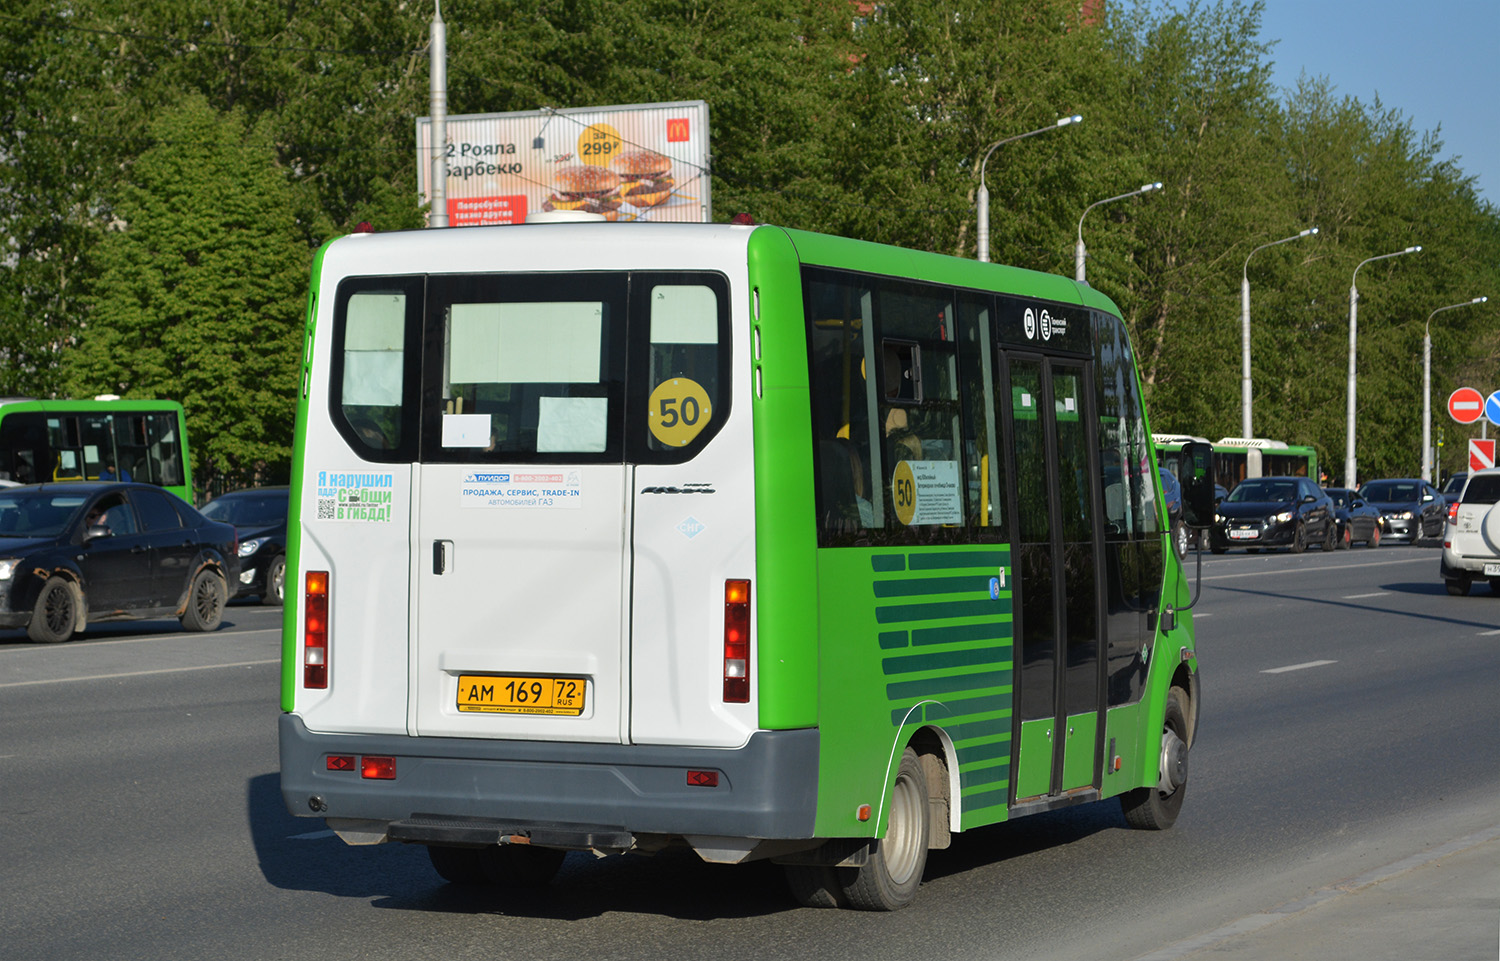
x=373, y=364
x=684, y=375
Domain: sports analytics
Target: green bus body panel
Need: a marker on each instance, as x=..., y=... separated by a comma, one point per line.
x=294, y=515
x=1081, y=749
x=911, y=637
x=786, y=595
x=1034, y=767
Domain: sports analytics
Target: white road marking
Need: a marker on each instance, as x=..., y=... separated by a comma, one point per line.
x=1488, y=633
x=1297, y=667
x=1356, y=597
x=164, y=670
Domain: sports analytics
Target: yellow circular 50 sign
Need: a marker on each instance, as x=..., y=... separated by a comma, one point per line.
x=679, y=409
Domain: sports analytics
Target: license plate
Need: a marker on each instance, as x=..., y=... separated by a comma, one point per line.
x=1244, y=535
x=507, y=694
x=1492, y=570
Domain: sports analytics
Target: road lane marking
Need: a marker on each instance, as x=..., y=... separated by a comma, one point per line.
x=1488, y=633
x=164, y=670
x=169, y=636
x=1330, y=567
x=1297, y=667
x=1358, y=597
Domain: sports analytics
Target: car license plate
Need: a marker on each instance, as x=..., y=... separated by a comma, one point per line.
x=1248, y=535
x=1492, y=570
x=507, y=694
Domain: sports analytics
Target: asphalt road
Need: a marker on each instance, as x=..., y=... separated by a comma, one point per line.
x=1349, y=722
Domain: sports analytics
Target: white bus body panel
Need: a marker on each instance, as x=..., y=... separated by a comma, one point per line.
x=627, y=589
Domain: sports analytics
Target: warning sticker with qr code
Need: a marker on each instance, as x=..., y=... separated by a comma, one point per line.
x=354, y=496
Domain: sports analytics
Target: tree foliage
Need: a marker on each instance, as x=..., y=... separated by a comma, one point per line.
x=167, y=170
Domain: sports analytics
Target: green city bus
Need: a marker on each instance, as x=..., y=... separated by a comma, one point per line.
x=776, y=545
x=106, y=438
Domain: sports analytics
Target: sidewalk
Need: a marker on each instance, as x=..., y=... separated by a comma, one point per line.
x=1440, y=905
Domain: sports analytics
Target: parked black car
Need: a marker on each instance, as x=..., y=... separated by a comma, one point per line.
x=1410, y=508
x=259, y=514
x=1358, y=521
x=1274, y=512
x=72, y=553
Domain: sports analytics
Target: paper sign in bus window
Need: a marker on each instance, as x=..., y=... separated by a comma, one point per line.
x=544, y=343
x=466, y=430
x=684, y=314
x=374, y=345
x=572, y=424
x=926, y=492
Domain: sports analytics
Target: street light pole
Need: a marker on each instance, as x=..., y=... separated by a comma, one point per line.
x=1349, y=461
x=1427, y=386
x=1245, y=329
x=983, y=240
x=1078, y=252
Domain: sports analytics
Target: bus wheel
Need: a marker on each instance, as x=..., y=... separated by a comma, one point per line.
x=499, y=865
x=1155, y=807
x=813, y=885
x=55, y=614
x=894, y=872
x=205, y=606
x=275, y=582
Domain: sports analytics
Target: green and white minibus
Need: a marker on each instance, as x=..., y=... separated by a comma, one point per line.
x=106, y=438
x=611, y=537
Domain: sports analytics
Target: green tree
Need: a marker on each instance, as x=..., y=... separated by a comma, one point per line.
x=200, y=288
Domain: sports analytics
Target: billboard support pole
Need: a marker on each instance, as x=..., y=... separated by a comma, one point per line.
x=438, y=76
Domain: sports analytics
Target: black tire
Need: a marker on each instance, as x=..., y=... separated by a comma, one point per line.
x=1216, y=549
x=1457, y=586
x=1374, y=540
x=1346, y=541
x=1330, y=536
x=499, y=865
x=55, y=615
x=205, y=603
x=275, y=583
x=1495, y=585
x=1299, y=540
x=894, y=872
x=1155, y=807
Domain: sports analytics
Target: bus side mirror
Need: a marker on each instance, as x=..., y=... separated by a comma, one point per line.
x=1196, y=472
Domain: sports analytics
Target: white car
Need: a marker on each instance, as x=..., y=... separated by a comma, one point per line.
x=1471, y=540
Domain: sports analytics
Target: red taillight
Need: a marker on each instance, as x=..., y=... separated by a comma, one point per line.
x=378, y=768
x=1453, y=512
x=737, y=642
x=315, y=631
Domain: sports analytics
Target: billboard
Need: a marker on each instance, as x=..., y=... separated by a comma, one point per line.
x=634, y=162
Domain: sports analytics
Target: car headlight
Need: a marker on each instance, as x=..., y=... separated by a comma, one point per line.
x=8, y=567
x=1402, y=515
x=252, y=545
x=1281, y=518
x=1218, y=518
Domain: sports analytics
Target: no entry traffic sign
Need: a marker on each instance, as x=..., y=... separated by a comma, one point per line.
x=1466, y=405
x=1481, y=454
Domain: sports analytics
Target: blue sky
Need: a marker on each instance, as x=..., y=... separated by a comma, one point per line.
x=1436, y=62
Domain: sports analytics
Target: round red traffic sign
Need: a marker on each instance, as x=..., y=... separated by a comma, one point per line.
x=1466, y=405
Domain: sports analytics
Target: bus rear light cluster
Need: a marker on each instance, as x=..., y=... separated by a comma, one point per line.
x=315, y=632
x=736, y=642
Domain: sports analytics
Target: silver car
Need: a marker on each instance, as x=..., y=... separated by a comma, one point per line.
x=1471, y=542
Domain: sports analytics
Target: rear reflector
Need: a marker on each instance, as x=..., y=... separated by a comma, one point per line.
x=378, y=768
x=340, y=762
x=315, y=631
x=703, y=778
x=736, y=642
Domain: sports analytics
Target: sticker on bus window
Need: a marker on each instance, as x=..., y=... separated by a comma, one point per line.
x=926, y=492
x=678, y=410
x=354, y=496
x=530, y=487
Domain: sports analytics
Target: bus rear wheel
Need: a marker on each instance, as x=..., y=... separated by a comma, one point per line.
x=1155, y=807
x=890, y=879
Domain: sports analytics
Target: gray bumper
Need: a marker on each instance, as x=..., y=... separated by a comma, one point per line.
x=766, y=789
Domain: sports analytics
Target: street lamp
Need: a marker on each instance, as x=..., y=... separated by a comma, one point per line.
x=1349, y=462
x=984, y=190
x=1427, y=386
x=1245, y=329
x=1078, y=252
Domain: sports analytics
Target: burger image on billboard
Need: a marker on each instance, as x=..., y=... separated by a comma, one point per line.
x=645, y=175
x=587, y=188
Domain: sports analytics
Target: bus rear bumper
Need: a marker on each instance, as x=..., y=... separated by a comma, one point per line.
x=602, y=797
